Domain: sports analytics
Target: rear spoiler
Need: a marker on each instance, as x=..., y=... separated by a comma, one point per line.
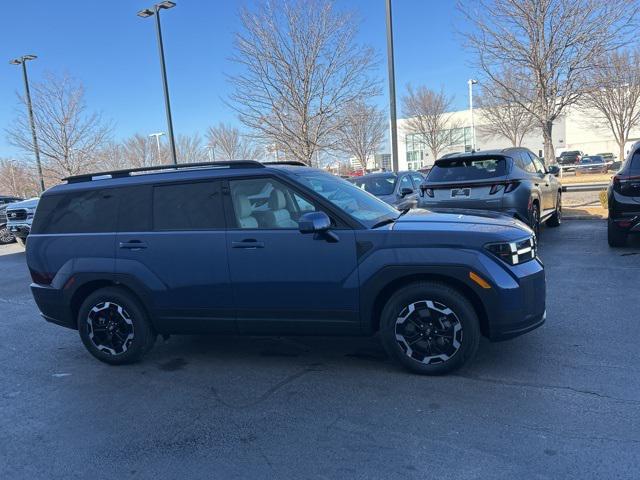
x=467, y=184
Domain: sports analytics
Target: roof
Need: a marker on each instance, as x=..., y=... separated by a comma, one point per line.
x=168, y=173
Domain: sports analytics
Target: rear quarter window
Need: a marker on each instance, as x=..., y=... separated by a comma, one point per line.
x=93, y=211
x=460, y=169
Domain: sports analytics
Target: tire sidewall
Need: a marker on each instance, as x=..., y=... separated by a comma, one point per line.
x=11, y=236
x=143, y=334
x=440, y=293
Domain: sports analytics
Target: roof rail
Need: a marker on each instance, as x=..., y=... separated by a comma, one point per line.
x=87, y=177
x=295, y=163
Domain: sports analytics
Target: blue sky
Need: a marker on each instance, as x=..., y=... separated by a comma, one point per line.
x=113, y=52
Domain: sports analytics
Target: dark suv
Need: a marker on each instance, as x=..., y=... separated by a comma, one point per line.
x=247, y=248
x=513, y=181
x=624, y=200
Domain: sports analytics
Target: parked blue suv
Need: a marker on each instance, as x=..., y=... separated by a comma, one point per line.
x=249, y=248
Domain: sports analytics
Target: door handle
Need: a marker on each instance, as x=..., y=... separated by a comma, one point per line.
x=247, y=243
x=133, y=245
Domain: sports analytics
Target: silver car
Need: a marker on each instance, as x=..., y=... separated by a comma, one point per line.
x=397, y=189
x=513, y=181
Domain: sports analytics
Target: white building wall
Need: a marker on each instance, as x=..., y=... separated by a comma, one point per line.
x=576, y=130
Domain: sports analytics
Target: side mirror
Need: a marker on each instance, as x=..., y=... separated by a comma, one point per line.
x=314, y=222
x=406, y=191
x=554, y=170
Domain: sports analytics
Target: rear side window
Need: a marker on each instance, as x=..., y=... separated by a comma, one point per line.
x=460, y=169
x=94, y=211
x=188, y=206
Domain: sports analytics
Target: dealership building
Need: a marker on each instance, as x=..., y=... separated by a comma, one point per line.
x=574, y=130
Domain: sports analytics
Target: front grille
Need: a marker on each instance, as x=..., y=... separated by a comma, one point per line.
x=16, y=215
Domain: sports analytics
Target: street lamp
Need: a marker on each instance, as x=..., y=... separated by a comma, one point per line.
x=157, y=135
x=471, y=83
x=23, y=61
x=392, y=90
x=148, y=12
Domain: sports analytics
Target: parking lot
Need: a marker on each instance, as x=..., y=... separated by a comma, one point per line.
x=560, y=402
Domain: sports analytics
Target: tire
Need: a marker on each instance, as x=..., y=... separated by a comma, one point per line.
x=534, y=218
x=21, y=241
x=114, y=326
x=555, y=220
x=6, y=237
x=616, y=236
x=455, y=333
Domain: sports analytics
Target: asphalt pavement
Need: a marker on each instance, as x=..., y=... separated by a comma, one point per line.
x=560, y=402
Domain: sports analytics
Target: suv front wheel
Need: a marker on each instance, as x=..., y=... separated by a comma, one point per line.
x=429, y=328
x=114, y=327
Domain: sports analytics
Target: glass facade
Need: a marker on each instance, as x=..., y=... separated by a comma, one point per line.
x=417, y=151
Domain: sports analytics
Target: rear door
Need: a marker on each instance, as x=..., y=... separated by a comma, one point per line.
x=172, y=239
x=547, y=184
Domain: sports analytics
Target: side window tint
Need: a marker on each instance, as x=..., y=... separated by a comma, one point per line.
x=187, y=206
x=267, y=204
x=634, y=166
x=537, y=163
x=417, y=181
x=78, y=212
x=135, y=209
x=527, y=162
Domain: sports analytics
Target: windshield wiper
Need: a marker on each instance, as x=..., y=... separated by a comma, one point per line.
x=387, y=221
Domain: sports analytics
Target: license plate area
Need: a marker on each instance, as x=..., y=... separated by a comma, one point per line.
x=460, y=192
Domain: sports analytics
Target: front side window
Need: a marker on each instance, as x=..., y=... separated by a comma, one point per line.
x=266, y=203
x=361, y=205
x=405, y=182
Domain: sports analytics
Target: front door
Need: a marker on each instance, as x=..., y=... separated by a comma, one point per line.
x=285, y=281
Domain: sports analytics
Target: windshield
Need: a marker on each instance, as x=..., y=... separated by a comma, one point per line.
x=592, y=160
x=457, y=169
x=347, y=197
x=378, y=185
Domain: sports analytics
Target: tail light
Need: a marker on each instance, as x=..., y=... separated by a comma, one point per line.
x=508, y=187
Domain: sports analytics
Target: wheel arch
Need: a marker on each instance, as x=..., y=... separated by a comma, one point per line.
x=372, y=317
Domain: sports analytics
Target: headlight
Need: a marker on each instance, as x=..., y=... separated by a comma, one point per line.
x=515, y=253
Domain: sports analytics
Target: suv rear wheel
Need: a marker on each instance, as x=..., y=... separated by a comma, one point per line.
x=429, y=328
x=616, y=236
x=114, y=327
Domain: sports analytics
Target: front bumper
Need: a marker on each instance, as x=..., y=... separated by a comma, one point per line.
x=519, y=301
x=21, y=230
x=53, y=305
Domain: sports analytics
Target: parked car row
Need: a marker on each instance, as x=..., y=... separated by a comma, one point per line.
x=512, y=181
x=578, y=161
x=5, y=234
x=19, y=219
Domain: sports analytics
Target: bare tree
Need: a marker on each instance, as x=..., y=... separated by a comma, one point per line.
x=362, y=130
x=505, y=119
x=229, y=144
x=301, y=65
x=429, y=114
x=68, y=135
x=141, y=151
x=552, y=44
x=17, y=179
x=189, y=149
x=615, y=95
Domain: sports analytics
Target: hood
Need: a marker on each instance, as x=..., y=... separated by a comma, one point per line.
x=457, y=219
x=31, y=203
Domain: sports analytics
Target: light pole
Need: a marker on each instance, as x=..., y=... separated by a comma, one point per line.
x=471, y=83
x=211, y=148
x=157, y=135
x=155, y=10
x=392, y=90
x=36, y=150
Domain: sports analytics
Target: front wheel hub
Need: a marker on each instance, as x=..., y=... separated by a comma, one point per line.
x=110, y=328
x=429, y=332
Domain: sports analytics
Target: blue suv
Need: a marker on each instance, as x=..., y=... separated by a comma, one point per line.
x=262, y=249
